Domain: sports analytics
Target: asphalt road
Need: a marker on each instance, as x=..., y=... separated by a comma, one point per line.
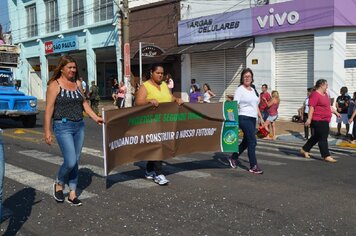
x=294, y=196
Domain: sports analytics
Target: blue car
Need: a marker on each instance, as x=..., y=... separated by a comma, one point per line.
x=15, y=104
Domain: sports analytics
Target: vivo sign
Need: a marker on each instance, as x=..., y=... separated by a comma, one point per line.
x=289, y=16
x=270, y=20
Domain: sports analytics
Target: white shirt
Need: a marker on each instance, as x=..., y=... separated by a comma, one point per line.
x=206, y=97
x=84, y=85
x=247, y=100
x=306, y=105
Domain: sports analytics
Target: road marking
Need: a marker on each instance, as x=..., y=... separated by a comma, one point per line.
x=189, y=159
x=114, y=176
x=36, y=181
x=92, y=152
x=26, y=139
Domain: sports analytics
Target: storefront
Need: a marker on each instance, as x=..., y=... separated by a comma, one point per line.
x=154, y=28
x=95, y=61
x=294, y=44
x=350, y=63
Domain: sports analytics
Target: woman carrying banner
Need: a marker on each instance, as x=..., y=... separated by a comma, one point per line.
x=247, y=100
x=65, y=104
x=155, y=91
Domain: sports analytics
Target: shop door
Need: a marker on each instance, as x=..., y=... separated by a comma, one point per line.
x=220, y=69
x=294, y=72
x=350, y=81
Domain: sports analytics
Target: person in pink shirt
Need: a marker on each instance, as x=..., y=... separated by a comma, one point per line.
x=272, y=106
x=264, y=99
x=319, y=117
x=120, y=97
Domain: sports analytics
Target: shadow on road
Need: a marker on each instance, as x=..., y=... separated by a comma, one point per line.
x=20, y=204
x=85, y=178
x=295, y=134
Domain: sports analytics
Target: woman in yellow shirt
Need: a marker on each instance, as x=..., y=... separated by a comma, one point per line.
x=155, y=91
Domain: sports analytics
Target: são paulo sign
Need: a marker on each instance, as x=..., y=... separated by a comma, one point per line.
x=62, y=45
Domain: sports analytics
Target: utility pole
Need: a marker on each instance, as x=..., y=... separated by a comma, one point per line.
x=126, y=45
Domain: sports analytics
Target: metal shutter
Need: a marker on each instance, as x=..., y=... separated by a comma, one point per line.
x=294, y=72
x=350, y=81
x=220, y=69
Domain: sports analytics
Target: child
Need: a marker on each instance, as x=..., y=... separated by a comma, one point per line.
x=273, y=105
x=305, y=114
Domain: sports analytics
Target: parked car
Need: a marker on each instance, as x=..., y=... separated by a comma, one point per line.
x=15, y=104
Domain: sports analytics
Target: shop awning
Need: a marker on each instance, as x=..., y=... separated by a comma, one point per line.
x=213, y=46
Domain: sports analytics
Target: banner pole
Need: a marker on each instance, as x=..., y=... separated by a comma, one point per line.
x=104, y=141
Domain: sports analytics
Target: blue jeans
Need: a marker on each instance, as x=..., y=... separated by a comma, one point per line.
x=2, y=171
x=248, y=126
x=70, y=138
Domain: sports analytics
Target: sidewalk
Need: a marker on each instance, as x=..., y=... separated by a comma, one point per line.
x=287, y=131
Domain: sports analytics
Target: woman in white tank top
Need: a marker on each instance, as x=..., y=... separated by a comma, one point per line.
x=208, y=94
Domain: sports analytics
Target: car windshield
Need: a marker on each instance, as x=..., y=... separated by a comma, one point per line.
x=6, y=80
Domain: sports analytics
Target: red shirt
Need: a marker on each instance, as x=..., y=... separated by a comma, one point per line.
x=263, y=105
x=321, y=104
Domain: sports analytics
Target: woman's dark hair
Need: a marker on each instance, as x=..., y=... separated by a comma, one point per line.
x=195, y=88
x=319, y=83
x=63, y=61
x=153, y=68
x=207, y=85
x=244, y=71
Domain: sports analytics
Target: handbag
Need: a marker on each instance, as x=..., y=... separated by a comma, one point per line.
x=262, y=130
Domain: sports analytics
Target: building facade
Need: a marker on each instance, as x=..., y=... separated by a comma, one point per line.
x=89, y=31
x=289, y=45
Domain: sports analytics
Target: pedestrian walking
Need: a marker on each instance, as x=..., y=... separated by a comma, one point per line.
x=114, y=88
x=155, y=91
x=305, y=109
x=84, y=85
x=272, y=111
x=342, y=105
x=120, y=96
x=352, y=118
x=65, y=104
x=170, y=82
x=264, y=98
x=193, y=82
x=94, y=97
x=247, y=99
x=319, y=117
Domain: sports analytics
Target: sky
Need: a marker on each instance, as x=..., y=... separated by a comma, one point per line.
x=4, y=16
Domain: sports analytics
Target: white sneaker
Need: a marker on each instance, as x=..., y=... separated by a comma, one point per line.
x=150, y=175
x=161, y=180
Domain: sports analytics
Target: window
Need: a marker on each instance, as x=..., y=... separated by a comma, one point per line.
x=52, y=22
x=103, y=10
x=75, y=13
x=31, y=21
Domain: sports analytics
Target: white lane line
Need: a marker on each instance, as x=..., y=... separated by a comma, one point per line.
x=92, y=152
x=36, y=181
x=114, y=175
x=189, y=159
